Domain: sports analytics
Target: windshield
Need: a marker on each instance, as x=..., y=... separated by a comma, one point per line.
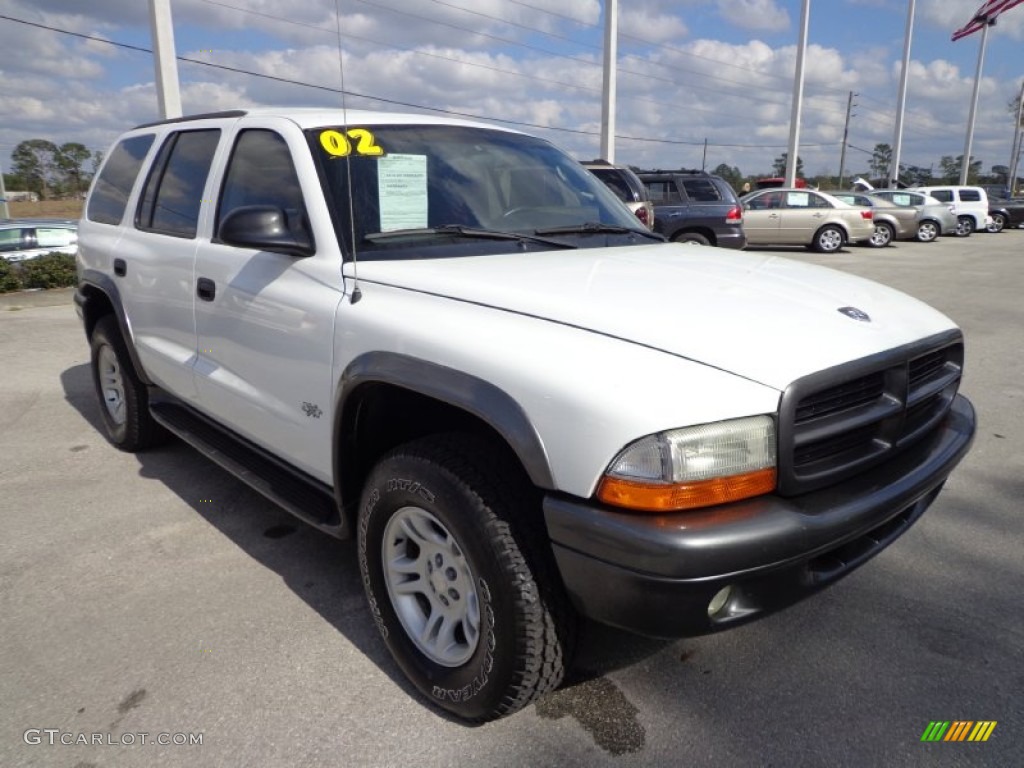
x=424, y=186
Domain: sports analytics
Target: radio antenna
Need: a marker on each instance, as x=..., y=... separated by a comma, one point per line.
x=356, y=293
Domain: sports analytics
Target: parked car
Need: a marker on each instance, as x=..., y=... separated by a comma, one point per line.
x=790, y=216
x=892, y=222
x=1005, y=213
x=22, y=239
x=695, y=207
x=970, y=204
x=524, y=406
x=936, y=218
x=626, y=186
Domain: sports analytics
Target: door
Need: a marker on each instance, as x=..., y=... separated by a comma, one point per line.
x=264, y=320
x=154, y=260
x=803, y=213
x=762, y=215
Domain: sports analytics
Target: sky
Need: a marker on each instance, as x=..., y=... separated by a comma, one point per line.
x=689, y=72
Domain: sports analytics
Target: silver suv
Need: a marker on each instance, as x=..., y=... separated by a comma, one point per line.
x=626, y=186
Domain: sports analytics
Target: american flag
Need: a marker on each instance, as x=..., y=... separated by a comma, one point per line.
x=987, y=13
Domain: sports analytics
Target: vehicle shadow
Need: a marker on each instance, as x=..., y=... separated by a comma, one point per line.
x=321, y=570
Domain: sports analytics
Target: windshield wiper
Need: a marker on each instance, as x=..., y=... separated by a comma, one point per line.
x=469, y=232
x=594, y=228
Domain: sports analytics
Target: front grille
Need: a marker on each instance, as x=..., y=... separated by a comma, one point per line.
x=837, y=423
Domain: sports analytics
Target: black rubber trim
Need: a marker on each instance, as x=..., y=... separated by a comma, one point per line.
x=642, y=571
x=473, y=395
x=190, y=118
x=303, y=496
x=106, y=285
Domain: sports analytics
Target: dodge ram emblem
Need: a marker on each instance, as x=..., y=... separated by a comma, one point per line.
x=855, y=314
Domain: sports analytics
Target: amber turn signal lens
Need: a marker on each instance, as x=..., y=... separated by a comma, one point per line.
x=664, y=497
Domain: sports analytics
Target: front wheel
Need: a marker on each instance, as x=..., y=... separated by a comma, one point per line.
x=462, y=588
x=964, y=226
x=883, y=235
x=927, y=231
x=829, y=239
x=997, y=224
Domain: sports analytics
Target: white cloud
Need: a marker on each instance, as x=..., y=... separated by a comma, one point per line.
x=755, y=15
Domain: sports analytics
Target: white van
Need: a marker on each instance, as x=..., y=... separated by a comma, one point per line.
x=970, y=204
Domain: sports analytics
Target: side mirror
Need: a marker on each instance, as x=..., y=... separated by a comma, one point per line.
x=267, y=228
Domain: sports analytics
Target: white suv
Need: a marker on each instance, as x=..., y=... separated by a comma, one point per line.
x=453, y=343
x=970, y=205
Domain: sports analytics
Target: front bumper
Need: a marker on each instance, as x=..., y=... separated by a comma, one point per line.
x=656, y=574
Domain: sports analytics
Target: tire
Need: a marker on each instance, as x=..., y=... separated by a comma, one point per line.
x=459, y=579
x=997, y=224
x=964, y=226
x=883, y=235
x=927, y=231
x=829, y=239
x=123, y=398
x=692, y=237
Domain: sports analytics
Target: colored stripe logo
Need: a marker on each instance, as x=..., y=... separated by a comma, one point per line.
x=958, y=730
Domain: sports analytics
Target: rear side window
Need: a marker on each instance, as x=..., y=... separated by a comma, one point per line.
x=114, y=185
x=663, y=192
x=174, y=190
x=701, y=190
x=970, y=196
x=13, y=239
x=55, y=237
x=615, y=183
x=943, y=195
x=261, y=172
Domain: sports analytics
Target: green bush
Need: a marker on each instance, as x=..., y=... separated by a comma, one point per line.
x=8, y=277
x=54, y=270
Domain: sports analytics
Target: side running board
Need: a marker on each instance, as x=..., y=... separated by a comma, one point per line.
x=303, y=496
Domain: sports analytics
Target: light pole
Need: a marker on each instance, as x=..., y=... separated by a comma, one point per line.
x=798, y=98
x=986, y=22
x=901, y=105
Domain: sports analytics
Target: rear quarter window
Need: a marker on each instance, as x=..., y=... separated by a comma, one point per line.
x=701, y=190
x=173, y=195
x=113, y=187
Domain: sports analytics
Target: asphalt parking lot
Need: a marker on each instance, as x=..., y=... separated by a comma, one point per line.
x=154, y=594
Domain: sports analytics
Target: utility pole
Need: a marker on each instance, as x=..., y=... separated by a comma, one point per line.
x=846, y=133
x=164, y=58
x=798, y=98
x=901, y=100
x=965, y=166
x=611, y=38
x=1015, y=157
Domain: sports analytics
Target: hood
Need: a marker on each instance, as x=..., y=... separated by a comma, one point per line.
x=760, y=316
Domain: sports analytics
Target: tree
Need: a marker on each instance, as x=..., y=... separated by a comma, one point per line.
x=951, y=169
x=881, y=159
x=779, y=166
x=731, y=174
x=69, y=159
x=915, y=175
x=33, y=161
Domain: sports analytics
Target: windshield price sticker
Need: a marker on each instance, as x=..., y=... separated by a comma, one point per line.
x=338, y=144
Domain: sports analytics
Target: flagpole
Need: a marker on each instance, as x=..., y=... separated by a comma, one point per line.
x=1015, y=159
x=901, y=100
x=611, y=37
x=966, y=164
x=798, y=98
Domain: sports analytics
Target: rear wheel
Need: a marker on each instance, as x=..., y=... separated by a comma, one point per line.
x=829, y=239
x=124, y=399
x=927, y=231
x=884, y=234
x=460, y=583
x=964, y=226
x=692, y=237
x=997, y=224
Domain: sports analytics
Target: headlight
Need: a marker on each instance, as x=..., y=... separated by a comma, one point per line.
x=693, y=467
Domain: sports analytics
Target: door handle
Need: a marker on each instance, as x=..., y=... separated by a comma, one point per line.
x=120, y=268
x=206, y=289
